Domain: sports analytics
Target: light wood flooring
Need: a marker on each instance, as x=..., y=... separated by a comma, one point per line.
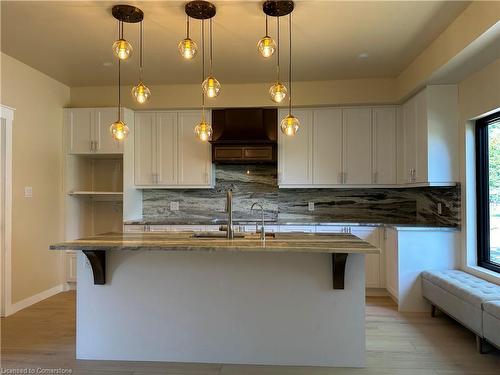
x=43, y=336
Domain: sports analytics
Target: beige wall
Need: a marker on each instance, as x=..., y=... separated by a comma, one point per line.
x=37, y=158
x=479, y=94
x=345, y=92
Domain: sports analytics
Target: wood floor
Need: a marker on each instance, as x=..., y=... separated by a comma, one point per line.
x=43, y=336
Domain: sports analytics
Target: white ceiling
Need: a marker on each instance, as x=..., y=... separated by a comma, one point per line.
x=71, y=41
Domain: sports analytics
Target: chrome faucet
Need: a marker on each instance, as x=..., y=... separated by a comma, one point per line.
x=229, y=210
x=262, y=229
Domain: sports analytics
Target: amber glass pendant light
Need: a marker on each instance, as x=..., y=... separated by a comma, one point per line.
x=130, y=14
x=141, y=92
x=290, y=124
x=266, y=45
x=203, y=130
x=119, y=130
x=187, y=47
x=278, y=90
x=211, y=87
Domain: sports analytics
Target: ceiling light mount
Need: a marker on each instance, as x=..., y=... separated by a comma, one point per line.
x=201, y=10
x=278, y=8
x=127, y=13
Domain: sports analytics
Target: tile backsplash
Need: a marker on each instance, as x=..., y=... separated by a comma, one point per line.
x=258, y=183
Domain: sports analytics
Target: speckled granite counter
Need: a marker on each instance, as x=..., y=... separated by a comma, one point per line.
x=183, y=241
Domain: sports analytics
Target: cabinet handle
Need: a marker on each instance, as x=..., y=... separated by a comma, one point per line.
x=91, y=146
x=344, y=180
x=96, y=145
x=375, y=177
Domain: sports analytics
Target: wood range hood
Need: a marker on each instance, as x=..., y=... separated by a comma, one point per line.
x=244, y=135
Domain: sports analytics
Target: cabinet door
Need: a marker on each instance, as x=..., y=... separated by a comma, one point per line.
x=391, y=262
x=295, y=152
x=194, y=163
x=145, y=148
x=357, y=129
x=81, y=130
x=104, y=142
x=410, y=142
x=421, y=171
x=372, y=261
x=384, y=145
x=71, y=266
x=327, y=146
x=166, y=136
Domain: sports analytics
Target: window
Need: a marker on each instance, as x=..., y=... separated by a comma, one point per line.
x=488, y=191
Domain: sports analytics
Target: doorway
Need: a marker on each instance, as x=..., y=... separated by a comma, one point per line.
x=6, y=119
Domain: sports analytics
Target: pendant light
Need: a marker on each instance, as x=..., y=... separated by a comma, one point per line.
x=211, y=87
x=278, y=91
x=130, y=14
x=290, y=124
x=187, y=47
x=203, y=130
x=141, y=92
x=119, y=130
x=266, y=45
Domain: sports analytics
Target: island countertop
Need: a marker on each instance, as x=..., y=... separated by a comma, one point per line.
x=184, y=241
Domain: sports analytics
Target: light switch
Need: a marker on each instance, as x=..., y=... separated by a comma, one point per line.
x=311, y=206
x=28, y=192
x=174, y=206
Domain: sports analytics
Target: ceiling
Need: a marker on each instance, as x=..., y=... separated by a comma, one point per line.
x=71, y=41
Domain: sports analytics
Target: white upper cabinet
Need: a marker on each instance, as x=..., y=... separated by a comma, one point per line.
x=295, y=152
x=430, y=126
x=327, y=146
x=88, y=131
x=384, y=145
x=145, y=137
x=357, y=126
x=337, y=147
x=167, y=152
x=104, y=143
x=166, y=145
x=194, y=156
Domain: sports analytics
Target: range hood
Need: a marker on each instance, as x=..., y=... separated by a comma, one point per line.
x=244, y=135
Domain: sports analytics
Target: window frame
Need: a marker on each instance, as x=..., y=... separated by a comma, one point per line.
x=482, y=192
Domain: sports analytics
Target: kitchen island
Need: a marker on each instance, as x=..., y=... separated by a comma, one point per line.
x=293, y=299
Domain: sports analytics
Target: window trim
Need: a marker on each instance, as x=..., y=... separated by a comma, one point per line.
x=482, y=192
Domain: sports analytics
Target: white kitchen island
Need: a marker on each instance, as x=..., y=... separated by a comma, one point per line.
x=170, y=297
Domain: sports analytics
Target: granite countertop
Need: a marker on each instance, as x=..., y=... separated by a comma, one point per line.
x=166, y=221
x=183, y=241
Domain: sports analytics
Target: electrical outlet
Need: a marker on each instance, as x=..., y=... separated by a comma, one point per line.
x=310, y=206
x=440, y=208
x=174, y=206
x=28, y=192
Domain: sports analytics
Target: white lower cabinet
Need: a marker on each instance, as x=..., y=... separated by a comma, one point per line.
x=409, y=252
x=70, y=260
x=373, y=263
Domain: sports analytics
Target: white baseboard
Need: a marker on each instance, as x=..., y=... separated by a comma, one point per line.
x=69, y=286
x=18, y=306
x=376, y=292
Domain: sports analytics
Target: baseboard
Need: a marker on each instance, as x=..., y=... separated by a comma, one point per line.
x=376, y=292
x=69, y=286
x=18, y=306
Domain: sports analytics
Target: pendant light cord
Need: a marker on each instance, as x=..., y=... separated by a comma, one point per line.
x=211, y=43
x=267, y=28
x=202, y=67
x=187, y=26
x=120, y=32
x=278, y=49
x=290, y=66
x=141, y=58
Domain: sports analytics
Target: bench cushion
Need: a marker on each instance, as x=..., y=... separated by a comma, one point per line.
x=491, y=322
x=464, y=286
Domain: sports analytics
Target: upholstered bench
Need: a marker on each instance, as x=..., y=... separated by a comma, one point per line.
x=461, y=296
x=491, y=322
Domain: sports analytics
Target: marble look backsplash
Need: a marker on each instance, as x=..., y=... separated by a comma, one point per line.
x=251, y=183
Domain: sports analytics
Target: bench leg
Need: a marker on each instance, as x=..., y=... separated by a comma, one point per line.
x=433, y=311
x=480, y=345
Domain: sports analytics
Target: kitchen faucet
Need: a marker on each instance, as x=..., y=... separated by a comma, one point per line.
x=262, y=229
x=229, y=210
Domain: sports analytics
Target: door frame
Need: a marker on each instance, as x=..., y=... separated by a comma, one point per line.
x=7, y=118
